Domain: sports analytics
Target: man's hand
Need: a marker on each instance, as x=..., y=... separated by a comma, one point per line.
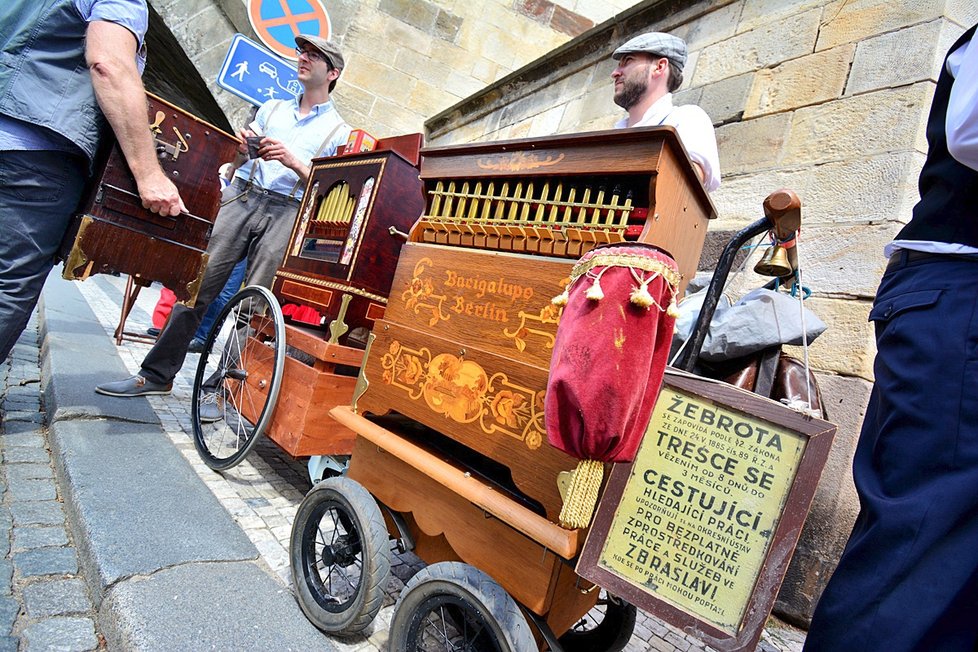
x=243, y=136
x=159, y=195
x=275, y=150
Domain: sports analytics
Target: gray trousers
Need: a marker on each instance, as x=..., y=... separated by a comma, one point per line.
x=251, y=223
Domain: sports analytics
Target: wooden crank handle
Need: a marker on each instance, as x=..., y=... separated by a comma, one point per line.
x=783, y=209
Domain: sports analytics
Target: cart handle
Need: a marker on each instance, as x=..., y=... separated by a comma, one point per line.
x=782, y=214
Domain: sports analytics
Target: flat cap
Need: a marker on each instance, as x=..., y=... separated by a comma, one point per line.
x=328, y=48
x=656, y=43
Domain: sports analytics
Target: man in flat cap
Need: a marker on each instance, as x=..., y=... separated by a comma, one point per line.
x=650, y=68
x=258, y=209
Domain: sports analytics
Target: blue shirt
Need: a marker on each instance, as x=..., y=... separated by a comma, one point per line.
x=302, y=135
x=131, y=14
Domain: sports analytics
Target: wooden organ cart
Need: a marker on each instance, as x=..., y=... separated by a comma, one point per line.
x=448, y=410
x=336, y=273
x=113, y=233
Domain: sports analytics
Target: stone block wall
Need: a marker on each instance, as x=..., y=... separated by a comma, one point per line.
x=826, y=97
x=406, y=60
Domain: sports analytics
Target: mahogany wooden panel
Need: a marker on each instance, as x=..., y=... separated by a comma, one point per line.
x=342, y=244
x=300, y=424
x=114, y=233
x=502, y=301
x=523, y=567
x=487, y=402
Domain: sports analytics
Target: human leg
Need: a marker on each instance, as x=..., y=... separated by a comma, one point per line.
x=270, y=237
x=272, y=229
x=227, y=245
x=907, y=579
x=39, y=192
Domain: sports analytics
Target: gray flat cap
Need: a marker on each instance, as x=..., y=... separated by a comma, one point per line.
x=657, y=43
x=328, y=48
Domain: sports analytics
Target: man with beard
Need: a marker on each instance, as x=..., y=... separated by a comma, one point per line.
x=650, y=68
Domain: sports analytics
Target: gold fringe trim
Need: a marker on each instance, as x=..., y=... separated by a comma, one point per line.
x=644, y=263
x=582, y=494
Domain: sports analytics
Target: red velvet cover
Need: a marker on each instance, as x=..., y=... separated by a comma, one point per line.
x=611, y=351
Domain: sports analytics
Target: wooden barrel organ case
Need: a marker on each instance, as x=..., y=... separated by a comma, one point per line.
x=112, y=232
x=338, y=267
x=460, y=360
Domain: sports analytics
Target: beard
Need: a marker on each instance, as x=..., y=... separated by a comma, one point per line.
x=631, y=92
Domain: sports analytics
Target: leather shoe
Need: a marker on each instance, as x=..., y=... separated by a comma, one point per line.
x=196, y=346
x=133, y=386
x=210, y=409
x=153, y=331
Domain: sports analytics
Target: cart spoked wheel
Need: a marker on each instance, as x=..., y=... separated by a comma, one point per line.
x=454, y=606
x=238, y=378
x=605, y=628
x=340, y=556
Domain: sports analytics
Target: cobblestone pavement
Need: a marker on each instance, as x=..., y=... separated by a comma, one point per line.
x=44, y=602
x=264, y=491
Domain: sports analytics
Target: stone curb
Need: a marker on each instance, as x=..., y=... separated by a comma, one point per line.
x=167, y=566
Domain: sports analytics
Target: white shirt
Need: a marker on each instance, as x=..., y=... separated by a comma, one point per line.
x=961, y=127
x=695, y=130
x=962, y=109
x=303, y=136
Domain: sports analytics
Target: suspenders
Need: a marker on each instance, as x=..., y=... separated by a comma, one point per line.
x=256, y=162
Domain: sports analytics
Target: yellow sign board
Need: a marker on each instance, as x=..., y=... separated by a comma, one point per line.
x=705, y=493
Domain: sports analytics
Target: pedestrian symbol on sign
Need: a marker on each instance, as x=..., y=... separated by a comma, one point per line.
x=254, y=74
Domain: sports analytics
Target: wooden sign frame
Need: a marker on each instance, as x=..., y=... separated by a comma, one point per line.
x=661, y=530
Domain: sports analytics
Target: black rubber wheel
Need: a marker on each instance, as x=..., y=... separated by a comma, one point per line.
x=239, y=375
x=606, y=628
x=454, y=606
x=340, y=556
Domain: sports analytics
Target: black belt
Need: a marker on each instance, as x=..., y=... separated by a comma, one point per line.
x=906, y=256
x=248, y=186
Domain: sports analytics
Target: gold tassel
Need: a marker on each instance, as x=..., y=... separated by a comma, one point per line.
x=561, y=299
x=641, y=297
x=582, y=494
x=594, y=293
x=673, y=309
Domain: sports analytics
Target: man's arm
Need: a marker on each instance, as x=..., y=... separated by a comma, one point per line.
x=962, y=111
x=110, y=52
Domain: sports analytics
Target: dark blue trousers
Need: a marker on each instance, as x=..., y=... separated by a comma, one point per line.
x=908, y=579
x=39, y=192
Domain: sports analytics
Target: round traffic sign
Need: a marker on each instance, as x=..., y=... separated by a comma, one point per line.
x=278, y=22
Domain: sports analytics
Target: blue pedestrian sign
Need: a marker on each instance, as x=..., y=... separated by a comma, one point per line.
x=254, y=74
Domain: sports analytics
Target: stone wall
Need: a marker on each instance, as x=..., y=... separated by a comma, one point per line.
x=827, y=97
x=406, y=60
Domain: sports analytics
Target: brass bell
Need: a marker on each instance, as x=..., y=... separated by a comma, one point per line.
x=774, y=262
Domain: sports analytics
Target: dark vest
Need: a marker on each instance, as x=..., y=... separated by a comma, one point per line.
x=948, y=206
x=44, y=79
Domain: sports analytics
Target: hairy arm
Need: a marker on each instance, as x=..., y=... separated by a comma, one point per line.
x=110, y=52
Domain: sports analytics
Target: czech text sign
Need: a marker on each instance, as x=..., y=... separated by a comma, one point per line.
x=254, y=74
x=699, y=529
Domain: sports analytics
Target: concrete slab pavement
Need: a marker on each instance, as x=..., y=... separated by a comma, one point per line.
x=168, y=567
